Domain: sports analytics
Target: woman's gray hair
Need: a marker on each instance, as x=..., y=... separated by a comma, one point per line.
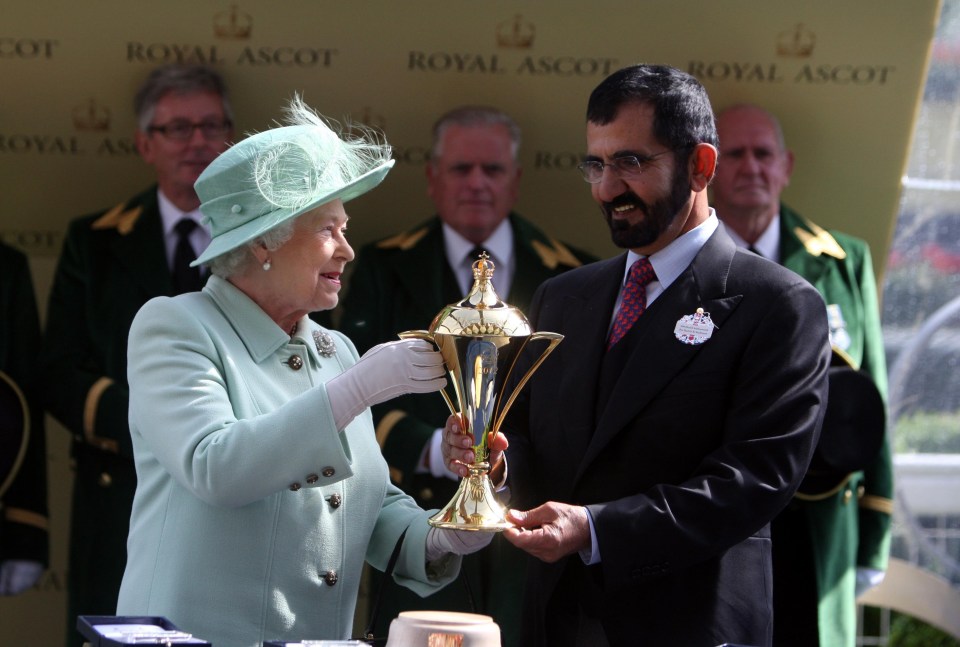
x=232, y=262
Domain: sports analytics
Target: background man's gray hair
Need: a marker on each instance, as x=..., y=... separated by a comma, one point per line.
x=475, y=116
x=177, y=79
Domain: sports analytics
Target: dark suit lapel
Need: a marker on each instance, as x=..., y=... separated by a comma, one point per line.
x=425, y=274
x=142, y=249
x=658, y=355
x=585, y=319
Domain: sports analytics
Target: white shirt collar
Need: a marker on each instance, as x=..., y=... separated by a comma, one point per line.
x=676, y=257
x=170, y=215
x=500, y=247
x=768, y=244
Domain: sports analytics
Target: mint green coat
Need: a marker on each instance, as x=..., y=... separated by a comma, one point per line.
x=253, y=515
x=847, y=527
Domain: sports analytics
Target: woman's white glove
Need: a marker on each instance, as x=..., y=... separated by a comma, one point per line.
x=385, y=371
x=441, y=541
x=18, y=575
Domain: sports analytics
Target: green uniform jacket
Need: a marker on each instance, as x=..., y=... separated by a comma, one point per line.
x=111, y=264
x=401, y=283
x=23, y=506
x=849, y=526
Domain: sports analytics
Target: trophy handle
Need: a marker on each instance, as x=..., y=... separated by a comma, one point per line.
x=554, y=338
x=426, y=335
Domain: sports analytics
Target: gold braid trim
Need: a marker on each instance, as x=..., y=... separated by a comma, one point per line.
x=387, y=423
x=824, y=495
x=90, y=416
x=26, y=517
x=877, y=503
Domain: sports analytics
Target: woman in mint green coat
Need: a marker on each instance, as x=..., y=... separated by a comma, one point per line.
x=261, y=488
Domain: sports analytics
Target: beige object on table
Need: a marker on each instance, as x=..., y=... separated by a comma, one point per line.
x=443, y=629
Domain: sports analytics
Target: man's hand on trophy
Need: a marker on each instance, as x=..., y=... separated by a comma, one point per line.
x=458, y=449
x=550, y=531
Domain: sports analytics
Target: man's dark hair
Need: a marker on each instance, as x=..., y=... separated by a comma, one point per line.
x=682, y=113
x=177, y=79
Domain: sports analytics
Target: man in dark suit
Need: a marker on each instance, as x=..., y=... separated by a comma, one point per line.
x=832, y=541
x=655, y=467
x=111, y=264
x=402, y=282
x=24, y=540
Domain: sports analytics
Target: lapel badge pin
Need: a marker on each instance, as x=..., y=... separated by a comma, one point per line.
x=694, y=329
x=324, y=342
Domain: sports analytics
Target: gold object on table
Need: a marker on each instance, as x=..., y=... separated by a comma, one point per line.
x=480, y=339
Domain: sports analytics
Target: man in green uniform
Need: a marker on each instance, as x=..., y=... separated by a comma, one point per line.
x=112, y=263
x=401, y=282
x=832, y=542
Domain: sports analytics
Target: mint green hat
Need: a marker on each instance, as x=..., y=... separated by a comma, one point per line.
x=279, y=174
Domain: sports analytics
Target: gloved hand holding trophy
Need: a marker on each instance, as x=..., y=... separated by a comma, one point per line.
x=480, y=339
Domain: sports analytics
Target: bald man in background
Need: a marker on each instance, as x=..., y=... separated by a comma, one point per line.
x=832, y=542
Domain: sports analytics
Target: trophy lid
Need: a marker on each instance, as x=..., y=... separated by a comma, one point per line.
x=481, y=313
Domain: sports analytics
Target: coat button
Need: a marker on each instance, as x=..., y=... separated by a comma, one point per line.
x=105, y=479
x=312, y=478
x=294, y=487
x=334, y=500
x=330, y=578
x=295, y=362
x=328, y=471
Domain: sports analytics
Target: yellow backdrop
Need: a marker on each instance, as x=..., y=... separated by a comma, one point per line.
x=845, y=78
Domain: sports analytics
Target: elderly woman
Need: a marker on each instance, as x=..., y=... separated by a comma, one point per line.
x=261, y=488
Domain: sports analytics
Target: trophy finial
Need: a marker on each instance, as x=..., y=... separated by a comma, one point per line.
x=483, y=295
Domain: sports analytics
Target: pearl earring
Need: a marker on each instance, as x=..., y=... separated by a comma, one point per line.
x=266, y=265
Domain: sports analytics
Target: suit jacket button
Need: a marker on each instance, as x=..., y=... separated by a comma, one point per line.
x=328, y=471
x=426, y=494
x=330, y=578
x=294, y=487
x=295, y=362
x=334, y=500
x=312, y=478
x=105, y=479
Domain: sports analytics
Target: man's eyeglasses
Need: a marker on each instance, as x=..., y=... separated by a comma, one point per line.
x=625, y=167
x=181, y=130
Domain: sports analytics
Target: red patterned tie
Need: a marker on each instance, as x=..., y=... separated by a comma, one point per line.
x=634, y=299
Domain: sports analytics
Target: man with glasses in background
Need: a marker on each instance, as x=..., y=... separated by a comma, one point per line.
x=112, y=263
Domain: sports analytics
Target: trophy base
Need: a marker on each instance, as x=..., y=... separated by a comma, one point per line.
x=474, y=506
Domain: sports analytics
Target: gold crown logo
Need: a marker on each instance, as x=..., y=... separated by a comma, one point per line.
x=91, y=117
x=516, y=33
x=232, y=24
x=796, y=43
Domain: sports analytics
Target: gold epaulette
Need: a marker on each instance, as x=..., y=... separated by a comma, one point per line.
x=556, y=254
x=820, y=241
x=403, y=241
x=119, y=219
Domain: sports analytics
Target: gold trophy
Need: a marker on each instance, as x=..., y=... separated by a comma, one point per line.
x=480, y=339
